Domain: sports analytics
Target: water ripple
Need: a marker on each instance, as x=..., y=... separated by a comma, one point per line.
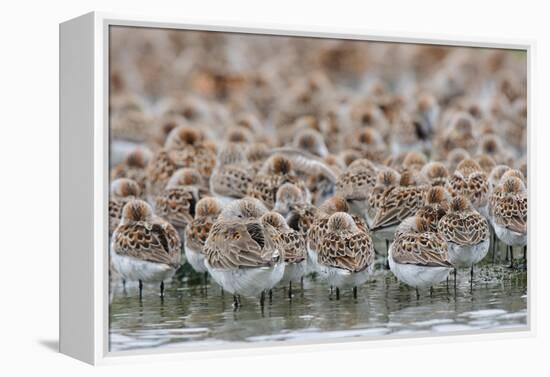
x=192, y=315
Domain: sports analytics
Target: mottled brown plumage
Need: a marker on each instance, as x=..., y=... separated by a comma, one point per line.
x=134, y=167
x=422, y=249
x=385, y=179
x=122, y=191
x=398, y=203
x=198, y=229
x=278, y=171
x=434, y=173
x=357, y=181
x=232, y=245
x=143, y=236
x=176, y=205
x=231, y=177
x=184, y=148
x=344, y=246
x=292, y=242
x=319, y=227
x=470, y=181
x=509, y=205
x=463, y=225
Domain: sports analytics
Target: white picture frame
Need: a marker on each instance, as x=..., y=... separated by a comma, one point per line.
x=84, y=188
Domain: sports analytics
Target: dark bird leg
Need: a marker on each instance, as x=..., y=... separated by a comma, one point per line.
x=262, y=299
x=454, y=273
x=525, y=254
x=236, y=301
x=431, y=292
x=205, y=278
x=337, y=293
x=162, y=289
x=290, y=289
x=417, y=293
x=222, y=292
x=494, y=246
x=302, y=283
x=387, y=263
x=472, y=278
x=140, y=289
x=354, y=292
x=270, y=296
x=511, y=256
x=507, y=253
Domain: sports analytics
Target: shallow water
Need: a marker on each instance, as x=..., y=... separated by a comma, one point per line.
x=192, y=314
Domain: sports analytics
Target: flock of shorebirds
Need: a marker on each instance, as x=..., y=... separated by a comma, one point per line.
x=329, y=177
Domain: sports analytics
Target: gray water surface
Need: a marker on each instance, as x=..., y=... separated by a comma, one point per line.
x=192, y=313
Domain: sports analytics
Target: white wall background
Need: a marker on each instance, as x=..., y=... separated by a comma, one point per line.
x=29, y=182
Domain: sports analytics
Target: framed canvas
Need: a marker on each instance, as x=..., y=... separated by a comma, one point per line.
x=227, y=189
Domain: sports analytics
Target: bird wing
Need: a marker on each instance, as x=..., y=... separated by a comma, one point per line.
x=464, y=229
x=294, y=246
x=301, y=218
x=398, y=204
x=196, y=233
x=511, y=213
x=157, y=242
x=176, y=205
x=423, y=249
x=233, y=245
x=115, y=211
x=355, y=185
x=159, y=170
x=264, y=188
x=305, y=161
x=478, y=188
x=197, y=157
x=317, y=232
x=456, y=185
x=231, y=181
x=352, y=252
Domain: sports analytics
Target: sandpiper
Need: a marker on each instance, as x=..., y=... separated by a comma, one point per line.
x=467, y=234
x=231, y=177
x=292, y=204
x=345, y=254
x=294, y=250
x=122, y=191
x=145, y=248
x=397, y=203
x=434, y=173
x=470, y=181
x=243, y=258
x=185, y=147
x=509, y=214
x=356, y=185
x=419, y=257
x=385, y=179
x=277, y=171
x=133, y=167
x=197, y=231
x=319, y=227
x=176, y=203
